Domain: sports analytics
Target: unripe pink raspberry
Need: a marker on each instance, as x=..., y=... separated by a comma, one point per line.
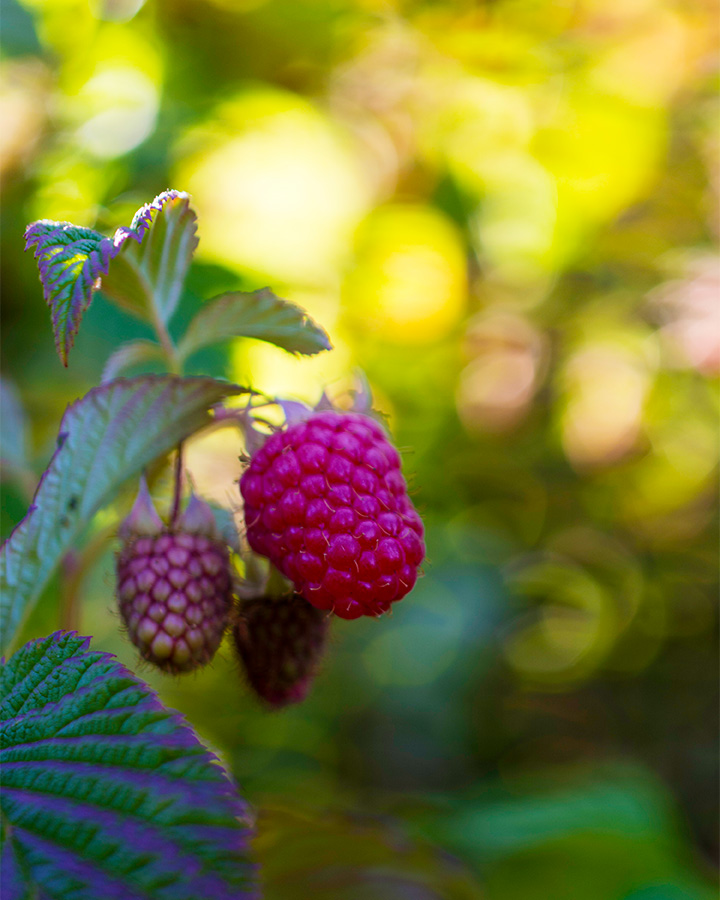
x=279, y=642
x=174, y=585
x=326, y=502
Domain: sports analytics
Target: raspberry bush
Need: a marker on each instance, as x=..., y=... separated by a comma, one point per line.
x=104, y=790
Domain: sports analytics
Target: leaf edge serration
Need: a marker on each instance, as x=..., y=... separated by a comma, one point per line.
x=143, y=218
x=97, y=263
x=39, y=234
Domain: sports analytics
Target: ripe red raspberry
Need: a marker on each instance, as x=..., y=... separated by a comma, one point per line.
x=279, y=642
x=174, y=585
x=326, y=502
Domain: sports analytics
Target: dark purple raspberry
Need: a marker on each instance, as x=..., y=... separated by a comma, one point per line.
x=326, y=502
x=279, y=642
x=174, y=585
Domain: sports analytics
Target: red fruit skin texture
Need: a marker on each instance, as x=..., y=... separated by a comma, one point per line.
x=280, y=642
x=175, y=596
x=326, y=502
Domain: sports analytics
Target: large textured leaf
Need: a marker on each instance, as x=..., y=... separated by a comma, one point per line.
x=106, y=794
x=152, y=257
x=106, y=436
x=260, y=315
x=71, y=260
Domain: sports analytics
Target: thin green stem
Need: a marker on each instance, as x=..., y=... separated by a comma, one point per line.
x=172, y=357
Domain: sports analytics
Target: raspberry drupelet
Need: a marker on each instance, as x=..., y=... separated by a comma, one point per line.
x=326, y=502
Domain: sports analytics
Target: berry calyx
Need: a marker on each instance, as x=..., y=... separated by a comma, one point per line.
x=326, y=502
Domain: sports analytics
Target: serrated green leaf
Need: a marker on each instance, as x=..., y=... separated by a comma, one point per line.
x=105, y=437
x=105, y=793
x=71, y=260
x=260, y=315
x=132, y=353
x=147, y=274
x=142, y=267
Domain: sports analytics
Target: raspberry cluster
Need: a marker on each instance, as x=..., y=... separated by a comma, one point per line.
x=326, y=502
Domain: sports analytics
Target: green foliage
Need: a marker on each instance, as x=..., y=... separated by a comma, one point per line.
x=105, y=793
x=105, y=437
x=71, y=260
x=148, y=273
x=259, y=315
x=507, y=214
x=149, y=262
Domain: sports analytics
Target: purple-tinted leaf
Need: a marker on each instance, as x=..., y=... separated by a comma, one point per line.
x=142, y=267
x=152, y=257
x=259, y=315
x=105, y=437
x=132, y=353
x=71, y=259
x=105, y=793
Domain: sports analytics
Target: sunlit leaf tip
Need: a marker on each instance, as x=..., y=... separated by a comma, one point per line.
x=143, y=218
x=152, y=257
x=71, y=259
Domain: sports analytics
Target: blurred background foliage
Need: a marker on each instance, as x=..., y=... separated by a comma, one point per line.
x=506, y=213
